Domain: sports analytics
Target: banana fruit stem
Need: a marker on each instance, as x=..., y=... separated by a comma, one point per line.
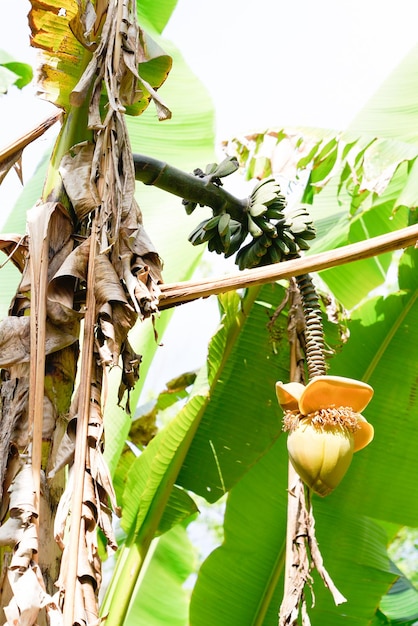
x=203, y=191
x=314, y=332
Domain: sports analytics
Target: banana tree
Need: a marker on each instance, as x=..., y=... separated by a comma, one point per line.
x=91, y=278
x=81, y=45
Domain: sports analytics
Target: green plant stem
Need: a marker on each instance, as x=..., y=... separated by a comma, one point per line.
x=73, y=131
x=131, y=560
x=151, y=171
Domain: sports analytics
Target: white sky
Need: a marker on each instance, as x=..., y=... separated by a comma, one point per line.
x=277, y=62
x=269, y=62
x=265, y=63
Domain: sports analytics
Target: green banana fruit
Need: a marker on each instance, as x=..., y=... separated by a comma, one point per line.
x=254, y=228
x=266, y=191
x=225, y=168
x=237, y=239
x=288, y=239
x=281, y=246
x=257, y=209
x=212, y=222
x=223, y=223
x=275, y=254
x=274, y=214
x=266, y=226
x=200, y=234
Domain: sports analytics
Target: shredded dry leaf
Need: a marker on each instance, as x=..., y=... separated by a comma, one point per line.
x=303, y=556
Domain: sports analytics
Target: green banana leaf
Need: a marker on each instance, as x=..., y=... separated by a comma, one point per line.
x=151, y=477
x=355, y=198
x=160, y=596
x=382, y=332
x=226, y=450
x=150, y=470
x=238, y=582
x=400, y=605
x=250, y=562
x=226, y=443
x=242, y=419
x=392, y=110
x=13, y=72
x=381, y=480
x=374, y=172
x=241, y=582
x=156, y=15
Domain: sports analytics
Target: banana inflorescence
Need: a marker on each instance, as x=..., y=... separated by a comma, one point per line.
x=325, y=427
x=274, y=232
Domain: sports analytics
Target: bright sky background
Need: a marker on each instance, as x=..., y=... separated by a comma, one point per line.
x=265, y=63
x=277, y=62
x=269, y=62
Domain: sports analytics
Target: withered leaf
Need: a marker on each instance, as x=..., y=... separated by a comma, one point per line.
x=75, y=170
x=130, y=373
x=82, y=25
x=11, y=531
x=65, y=452
x=16, y=248
x=60, y=520
x=15, y=340
x=11, y=156
x=10, y=463
x=22, y=492
x=29, y=596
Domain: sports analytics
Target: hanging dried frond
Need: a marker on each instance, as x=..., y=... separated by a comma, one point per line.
x=11, y=156
x=86, y=257
x=20, y=532
x=130, y=251
x=114, y=272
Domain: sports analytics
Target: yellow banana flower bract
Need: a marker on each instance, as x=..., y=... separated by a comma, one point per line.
x=325, y=427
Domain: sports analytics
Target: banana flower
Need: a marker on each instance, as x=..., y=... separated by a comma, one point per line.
x=325, y=427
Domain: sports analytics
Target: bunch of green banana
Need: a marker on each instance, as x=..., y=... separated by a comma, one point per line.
x=278, y=233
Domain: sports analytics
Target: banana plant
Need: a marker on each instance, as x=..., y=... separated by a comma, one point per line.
x=88, y=257
x=243, y=579
x=81, y=46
